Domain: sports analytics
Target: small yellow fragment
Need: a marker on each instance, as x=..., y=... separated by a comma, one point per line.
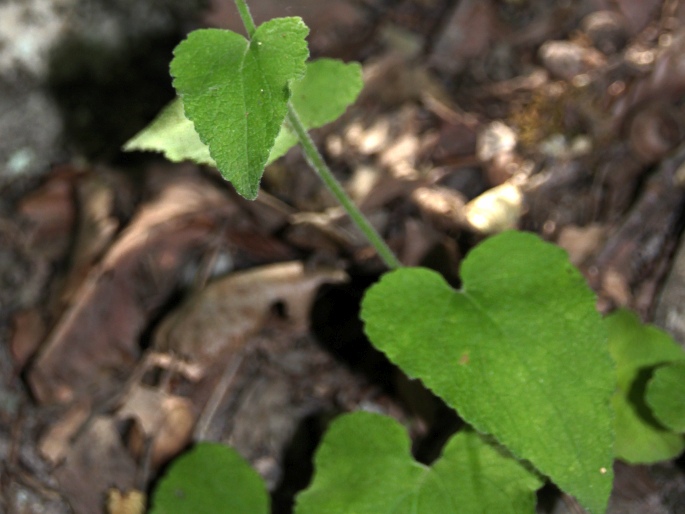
x=129, y=502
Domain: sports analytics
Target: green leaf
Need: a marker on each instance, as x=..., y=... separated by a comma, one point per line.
x=666, y=396
x=520, y=352
x=364, y=466
x=327, y=89
x=172, y=134
x=637, y=350
x=210, y=478
x=236, y=92
x=324, y=93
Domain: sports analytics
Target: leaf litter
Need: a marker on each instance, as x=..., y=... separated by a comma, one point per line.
x=410, y=146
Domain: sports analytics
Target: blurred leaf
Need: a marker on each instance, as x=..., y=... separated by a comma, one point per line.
x=637, y=349
x=666, y=395
x=324, y=93
x=209, y=479
x=364, y=466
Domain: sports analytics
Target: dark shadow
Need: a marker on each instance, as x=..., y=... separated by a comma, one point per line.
x=336, y=325
x=109, y=74
x=636, y=397
x=298, y=461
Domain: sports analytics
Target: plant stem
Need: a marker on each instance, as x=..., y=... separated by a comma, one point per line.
x=245, y=15
x=316, y=161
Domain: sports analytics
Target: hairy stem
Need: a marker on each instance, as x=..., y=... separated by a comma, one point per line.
x=317, y=162
x=245, y=15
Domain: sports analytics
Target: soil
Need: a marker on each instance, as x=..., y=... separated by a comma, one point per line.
x=145, y=306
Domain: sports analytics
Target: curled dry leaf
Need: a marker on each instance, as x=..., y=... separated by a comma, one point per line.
x=581, y=242
x=165, y=421
x=95, y=462
x=215, y=322
x=97, y=337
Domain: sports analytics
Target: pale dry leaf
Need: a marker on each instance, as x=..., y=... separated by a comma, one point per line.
x=96, y=462
x=581, y=242
x=55, y=444
x=167, y=419
x=216, y=321
x=99, y=331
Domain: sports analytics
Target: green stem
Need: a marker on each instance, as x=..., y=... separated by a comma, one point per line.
x=245, y=15
x=316, y=161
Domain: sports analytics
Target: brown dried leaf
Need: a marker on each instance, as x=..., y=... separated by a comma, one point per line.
x=216, y=321
x=55, y=444
x=97, y=337
x=96, y=462
x=51, y=213
x=166, y=419
x=581, y=242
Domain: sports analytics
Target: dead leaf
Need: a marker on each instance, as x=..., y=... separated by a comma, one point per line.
x=56, y=443
x=166, y=420
x=51, y=213
x=96, y=462
x=28, y=330
x=217, y=320
x=581, y=242
x=97, y=337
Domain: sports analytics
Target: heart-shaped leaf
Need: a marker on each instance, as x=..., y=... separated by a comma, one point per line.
x=520, y=352
x=637, y=350
x=236, y=92
x=364, y=465
x=210, y=478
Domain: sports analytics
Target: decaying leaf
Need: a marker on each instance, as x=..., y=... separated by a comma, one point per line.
x=165, y=420
x=98, y=334
x=96, y=462
x=218, y=319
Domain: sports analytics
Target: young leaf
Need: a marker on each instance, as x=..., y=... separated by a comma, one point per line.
x=520, y=352
x=236, y=92
x=324, y=93
x=637, y=349
x=172, y=134
x=327, y=89
x=364, y=465
x=666, y=396
x=210, y=478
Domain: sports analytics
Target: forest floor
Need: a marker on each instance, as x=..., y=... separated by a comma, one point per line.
x=123, y=338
